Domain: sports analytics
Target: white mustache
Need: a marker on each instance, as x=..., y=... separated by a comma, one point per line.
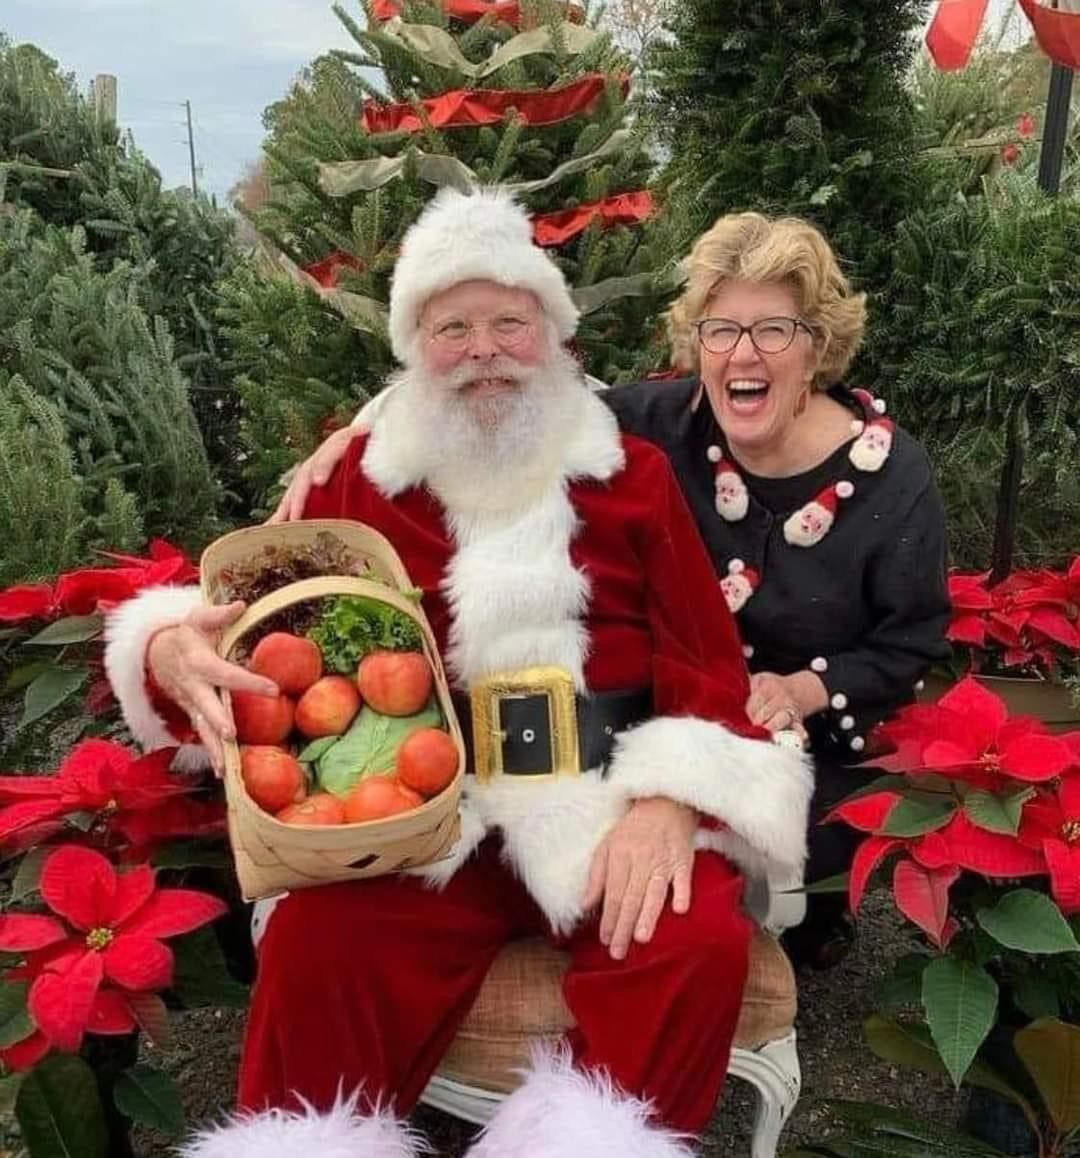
x=498, y=367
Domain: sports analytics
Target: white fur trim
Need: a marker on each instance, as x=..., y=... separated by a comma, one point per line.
x=127, y=633
x=339, y=1133
x=515, y=598
x=461, y=237
x=758, y=790
x=561, y=1112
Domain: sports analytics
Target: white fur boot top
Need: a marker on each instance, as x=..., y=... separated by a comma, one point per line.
x=561, y=1112
x=340, y=1133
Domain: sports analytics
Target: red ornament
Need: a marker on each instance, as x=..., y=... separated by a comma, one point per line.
x=468, y=107
x=953, y=32
x=551, y=229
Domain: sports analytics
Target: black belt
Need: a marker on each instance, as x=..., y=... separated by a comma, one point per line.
x=527, y=742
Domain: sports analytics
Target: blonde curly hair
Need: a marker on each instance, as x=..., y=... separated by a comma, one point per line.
x=753, y=247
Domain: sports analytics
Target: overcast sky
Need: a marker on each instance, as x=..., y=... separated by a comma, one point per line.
x=231, y=58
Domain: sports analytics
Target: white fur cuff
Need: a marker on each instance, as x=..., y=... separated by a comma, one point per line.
x=561, y=1111
x=758, y=790
x=127, y=634
x=340, y=1133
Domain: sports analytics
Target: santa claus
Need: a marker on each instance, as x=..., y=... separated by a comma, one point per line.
x=559, y=566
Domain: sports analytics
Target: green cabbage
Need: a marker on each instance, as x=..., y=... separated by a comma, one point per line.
x=369, y=747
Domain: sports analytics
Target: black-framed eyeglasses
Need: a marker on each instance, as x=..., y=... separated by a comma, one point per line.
x=769, y=335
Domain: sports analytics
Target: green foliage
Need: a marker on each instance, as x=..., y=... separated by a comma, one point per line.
x=791, y=107
x=352, y=627
x=981, y=317
x=84, y=346
x=44, y=522
x=74, y=172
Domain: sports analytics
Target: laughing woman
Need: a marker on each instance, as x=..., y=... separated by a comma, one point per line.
x=821, y=517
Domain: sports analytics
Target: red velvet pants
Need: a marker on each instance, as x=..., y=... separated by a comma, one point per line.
x=367, y=982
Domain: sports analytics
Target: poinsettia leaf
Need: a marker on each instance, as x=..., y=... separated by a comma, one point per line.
x=916, y=817
x=201, y=977
x=59, y=1112
x=912, y=1046
x=25, y=674
x=833, y=884
x=1029, y=922
x=1036, y=995
x=15, y=1020
x=48, y=691
x=1050, y=1051
x=28, y=875
x=71, y=629
x=960, y=1000
x=896, y=1126
x=997, y=813
x=9, y=1091
x=150, y=1098
x=902, y=986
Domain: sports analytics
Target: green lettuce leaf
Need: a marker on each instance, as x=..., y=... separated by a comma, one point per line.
x=369, y=746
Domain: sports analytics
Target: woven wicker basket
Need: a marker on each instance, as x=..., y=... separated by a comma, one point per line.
x=272, y=857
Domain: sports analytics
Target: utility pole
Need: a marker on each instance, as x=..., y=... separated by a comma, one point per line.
x=191, y=149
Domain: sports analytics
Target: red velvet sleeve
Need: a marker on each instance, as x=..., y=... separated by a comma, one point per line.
x=698, y=664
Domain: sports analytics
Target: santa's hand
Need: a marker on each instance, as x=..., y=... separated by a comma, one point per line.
x=649, y=851
x=313, y=472
x=186, y=666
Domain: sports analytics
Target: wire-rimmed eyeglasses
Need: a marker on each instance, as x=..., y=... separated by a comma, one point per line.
x=769, y=335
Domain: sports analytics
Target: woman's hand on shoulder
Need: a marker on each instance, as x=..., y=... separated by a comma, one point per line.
x=313, y=472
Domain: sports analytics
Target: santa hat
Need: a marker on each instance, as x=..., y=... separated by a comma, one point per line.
x=734, y=504
x=739, y=584
x=871, y=448
x=483, y=236
x=812, y=522
x=869, y=403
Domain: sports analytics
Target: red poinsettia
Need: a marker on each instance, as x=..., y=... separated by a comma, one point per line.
x=101, y=949
x=99, y=777
x=970, y=604
x=1032, y=616
x=968, y=735
x=1051, y=823
x=95, y=589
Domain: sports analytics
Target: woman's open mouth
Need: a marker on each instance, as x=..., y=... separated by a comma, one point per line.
x=746, y=395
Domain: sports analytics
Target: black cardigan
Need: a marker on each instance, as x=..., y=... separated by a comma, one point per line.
x=870, y=598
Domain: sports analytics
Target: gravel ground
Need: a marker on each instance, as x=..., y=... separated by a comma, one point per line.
x=204, y=1049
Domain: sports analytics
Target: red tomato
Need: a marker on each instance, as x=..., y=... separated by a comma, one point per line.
x=272, y=777
x=319, y=809
x=378, y=797
x=261, y=719
x=427, y=761
x=395, y=683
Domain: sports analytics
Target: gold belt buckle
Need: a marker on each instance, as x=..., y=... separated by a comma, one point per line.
x=487, y=698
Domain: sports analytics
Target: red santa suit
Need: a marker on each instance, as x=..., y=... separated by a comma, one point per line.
x=599, y=571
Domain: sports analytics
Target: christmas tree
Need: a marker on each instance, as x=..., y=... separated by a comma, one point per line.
x=791, y=106
x=532, y=96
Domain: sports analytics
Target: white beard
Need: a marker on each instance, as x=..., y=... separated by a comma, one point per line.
x=492, y=453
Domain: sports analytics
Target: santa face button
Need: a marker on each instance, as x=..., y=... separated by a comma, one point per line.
x=732, y=497
x=738, y=584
